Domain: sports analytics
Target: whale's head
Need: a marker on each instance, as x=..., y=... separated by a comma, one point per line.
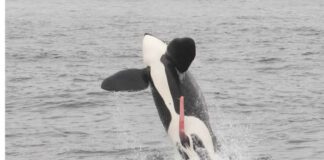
x=153, y=49
x=180, y=51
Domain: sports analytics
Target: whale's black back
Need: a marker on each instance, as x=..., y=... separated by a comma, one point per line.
x=181, y=84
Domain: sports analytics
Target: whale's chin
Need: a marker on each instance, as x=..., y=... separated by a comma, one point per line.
x=153, y=49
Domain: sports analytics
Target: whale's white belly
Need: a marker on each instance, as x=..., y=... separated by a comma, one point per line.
x=195, y=126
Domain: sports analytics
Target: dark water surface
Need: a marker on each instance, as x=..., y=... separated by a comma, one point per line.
x=259, y=63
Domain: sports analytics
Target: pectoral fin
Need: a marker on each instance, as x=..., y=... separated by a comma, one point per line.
x=181, y=51
x=127, y=80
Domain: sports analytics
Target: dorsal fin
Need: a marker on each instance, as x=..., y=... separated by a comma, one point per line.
x=181, y=51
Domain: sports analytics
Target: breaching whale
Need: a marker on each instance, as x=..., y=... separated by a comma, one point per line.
x=179, y=101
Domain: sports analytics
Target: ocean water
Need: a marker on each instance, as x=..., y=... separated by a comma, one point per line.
x=259, y=63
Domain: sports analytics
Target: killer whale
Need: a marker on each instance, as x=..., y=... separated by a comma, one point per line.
x=167, y=74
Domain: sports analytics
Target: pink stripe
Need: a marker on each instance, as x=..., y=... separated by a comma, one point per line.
x=181, y=120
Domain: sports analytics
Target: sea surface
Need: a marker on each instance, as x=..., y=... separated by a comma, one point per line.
x=260, y=65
